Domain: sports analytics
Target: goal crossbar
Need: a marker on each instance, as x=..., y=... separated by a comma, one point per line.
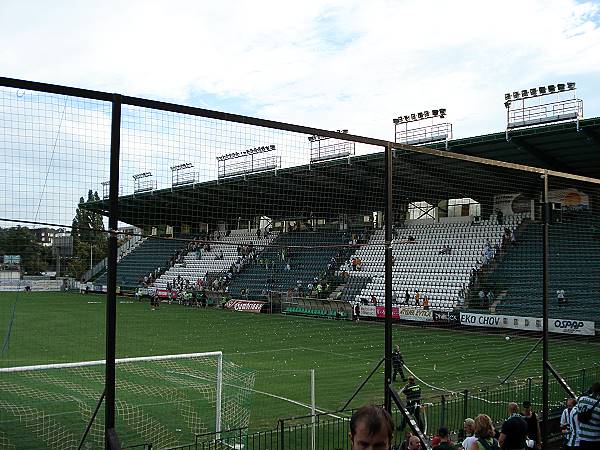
x=100, y=362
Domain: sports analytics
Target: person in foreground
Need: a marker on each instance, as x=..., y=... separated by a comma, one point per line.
x=484, y=432
x=371, y=428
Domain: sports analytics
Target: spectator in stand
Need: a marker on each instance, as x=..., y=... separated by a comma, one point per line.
x=560, y=297
x=482, y=297
x=445, y=443
x=569, y=425
x=406, y=298
x=490, y=297
x=513, y=435
x=588, y=415
x=417, y=298
x=371, y=428
x=484, y=432
x=533, y=426
x=469, y=431
x=425, y=302
x=373, y=300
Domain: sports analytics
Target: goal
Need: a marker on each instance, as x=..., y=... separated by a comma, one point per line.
x=160, y=400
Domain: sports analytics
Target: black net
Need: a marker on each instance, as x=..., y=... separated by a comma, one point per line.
x=266, y=241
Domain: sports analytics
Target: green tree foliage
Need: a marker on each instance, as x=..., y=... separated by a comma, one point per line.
x=35, y=258
x=88, y=237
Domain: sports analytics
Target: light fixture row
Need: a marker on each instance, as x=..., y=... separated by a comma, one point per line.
x=541, y=90
x=441, y=113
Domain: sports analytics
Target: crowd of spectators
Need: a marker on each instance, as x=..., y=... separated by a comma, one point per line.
x=371, y=427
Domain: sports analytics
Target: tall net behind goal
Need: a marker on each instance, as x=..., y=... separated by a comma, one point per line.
x=162, y=400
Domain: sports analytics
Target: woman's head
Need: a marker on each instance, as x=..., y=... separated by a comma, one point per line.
x=484, y=427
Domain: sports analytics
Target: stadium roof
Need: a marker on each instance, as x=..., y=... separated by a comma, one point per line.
x=355, y=186
x=558, y=147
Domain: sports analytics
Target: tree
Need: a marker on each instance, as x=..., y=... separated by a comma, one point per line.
x=89, y=237
x=35, y=258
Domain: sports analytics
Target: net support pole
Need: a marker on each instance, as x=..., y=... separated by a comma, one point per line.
x=545, y=281
x=388, y=218
x=219, y=399
x=313, y=410
x=111, y=293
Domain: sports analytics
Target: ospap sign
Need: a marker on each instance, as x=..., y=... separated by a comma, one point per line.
x=570, y=326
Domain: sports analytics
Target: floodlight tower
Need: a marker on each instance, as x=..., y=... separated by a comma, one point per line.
x=422, y=128
x=528, y=108
x=324, y=148
x=181, y=174
x=142, y=182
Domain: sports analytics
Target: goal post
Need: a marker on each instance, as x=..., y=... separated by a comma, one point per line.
x=161, y=400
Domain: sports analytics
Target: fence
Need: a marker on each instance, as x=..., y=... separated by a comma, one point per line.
x=403, y=234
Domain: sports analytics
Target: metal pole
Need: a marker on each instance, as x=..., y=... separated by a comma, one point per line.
x=313, y=408
x=545, y=406
x=388, y=278
x=111, y=296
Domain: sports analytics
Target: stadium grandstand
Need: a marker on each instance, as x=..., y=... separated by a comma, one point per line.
x=321, y=239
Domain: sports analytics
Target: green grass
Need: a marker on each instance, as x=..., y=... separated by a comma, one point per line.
x=281, y=350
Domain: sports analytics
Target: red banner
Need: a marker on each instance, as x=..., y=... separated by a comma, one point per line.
x=404, y=313
x=163, y=293
x=245, y=305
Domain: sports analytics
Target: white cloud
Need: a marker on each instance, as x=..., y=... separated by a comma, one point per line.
x=333, y=64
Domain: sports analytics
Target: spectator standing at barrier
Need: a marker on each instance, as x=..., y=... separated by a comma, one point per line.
x=412, y=391
x=406, y=298
x=533, y=426
x=417, y=297
x=371, y=427
x=569, y=425
x=445, y=443
x=425, y=302
x=513, y=435
x=484, y=433
x=397, y=364
x=357, y=312
x=469, y=432
x=588, y=415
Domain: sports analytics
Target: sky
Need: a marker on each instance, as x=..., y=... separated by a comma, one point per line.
x=328, y=64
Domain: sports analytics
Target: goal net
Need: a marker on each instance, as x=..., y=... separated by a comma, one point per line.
x=160, y=400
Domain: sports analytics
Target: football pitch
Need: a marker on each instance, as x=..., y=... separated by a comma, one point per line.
x=281, y=350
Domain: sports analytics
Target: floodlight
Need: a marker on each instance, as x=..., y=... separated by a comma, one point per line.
x=561, y=86
x=396, y=122
x=524, y=93
x=571, y=85
x=413, y=116
x=426, y=113
x=434, y=112
x=406, y=118
x=542, y=89
x=442, y=112
x=515, y=94
x=507, y=96
x=533, y=91
x=420, y=115
x=552, y=88
x=507, y=104
x=311, y=139
x=345, y=131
